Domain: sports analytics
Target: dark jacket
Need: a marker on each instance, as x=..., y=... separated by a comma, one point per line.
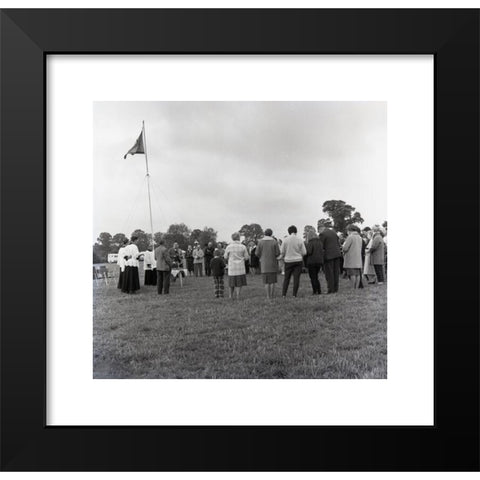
x=314, y=252
x=217, y=265
x=164, y=262
x=209, y=252
x=330, y=244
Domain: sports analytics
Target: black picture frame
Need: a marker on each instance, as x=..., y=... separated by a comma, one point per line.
x=29, y=36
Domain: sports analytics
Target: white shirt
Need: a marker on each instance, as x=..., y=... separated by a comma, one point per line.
x=149, y=259
x=120, y=259
x=132, y=252
x=293, y=249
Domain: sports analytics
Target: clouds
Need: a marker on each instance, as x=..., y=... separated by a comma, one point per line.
x=224, y=164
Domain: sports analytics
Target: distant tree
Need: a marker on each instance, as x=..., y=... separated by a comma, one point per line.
x=105, y=240
x=144, y=240
x=103, y=246
x=208, y=235
x=117, y=241
x=179, y=229
x=252, y=232
x=341, y=214
x=195, y=235
x=179, y=233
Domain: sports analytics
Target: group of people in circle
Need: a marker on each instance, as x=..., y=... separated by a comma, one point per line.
x=360, y=255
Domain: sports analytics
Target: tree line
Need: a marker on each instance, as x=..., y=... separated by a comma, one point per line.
x=177, y=232
x=339, y=216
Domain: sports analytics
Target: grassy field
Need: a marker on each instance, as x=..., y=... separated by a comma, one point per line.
x=191, y=334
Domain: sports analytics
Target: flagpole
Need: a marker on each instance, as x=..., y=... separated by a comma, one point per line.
x=148, y=181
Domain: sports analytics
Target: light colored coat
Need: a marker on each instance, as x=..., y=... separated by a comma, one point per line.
x=198, y=255
x=352, y=250
x=236, y=254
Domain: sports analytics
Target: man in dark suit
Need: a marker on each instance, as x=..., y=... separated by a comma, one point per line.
x=331, y=256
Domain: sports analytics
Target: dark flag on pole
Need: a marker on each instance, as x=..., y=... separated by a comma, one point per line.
x=137, y=148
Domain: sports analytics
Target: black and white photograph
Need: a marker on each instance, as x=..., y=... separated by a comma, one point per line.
x=264, y=196
x=240, y=240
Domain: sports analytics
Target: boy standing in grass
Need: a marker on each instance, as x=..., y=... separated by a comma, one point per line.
x=217, y=267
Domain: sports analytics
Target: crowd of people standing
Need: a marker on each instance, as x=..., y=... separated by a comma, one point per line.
x=360, y=256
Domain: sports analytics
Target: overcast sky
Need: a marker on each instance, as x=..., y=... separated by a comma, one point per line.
x=224, y=164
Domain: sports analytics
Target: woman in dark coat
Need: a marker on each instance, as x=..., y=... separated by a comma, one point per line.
x=314, y=260
x=189, y=259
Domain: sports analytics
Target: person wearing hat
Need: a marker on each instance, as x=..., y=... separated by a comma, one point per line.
x=331, y=256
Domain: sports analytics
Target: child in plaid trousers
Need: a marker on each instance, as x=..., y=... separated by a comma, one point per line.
x=217, y=266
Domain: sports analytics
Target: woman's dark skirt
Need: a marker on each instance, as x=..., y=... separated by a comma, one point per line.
x=131, y=280
x=150, y=277
x=190, y=264
x=237, y=280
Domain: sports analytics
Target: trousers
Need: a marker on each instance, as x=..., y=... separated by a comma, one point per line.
x=379, y=272
x=332, y=273
x=313, y=271
x=163, y=282
x=295, y=269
